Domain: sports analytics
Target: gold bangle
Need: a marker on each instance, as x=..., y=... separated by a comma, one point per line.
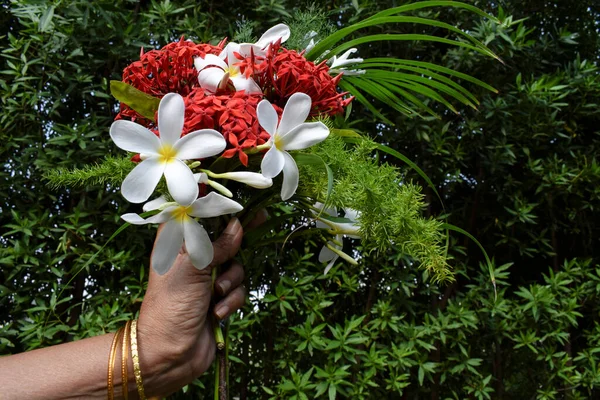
x=111, y=364
x=124, y=356
x=136, y=361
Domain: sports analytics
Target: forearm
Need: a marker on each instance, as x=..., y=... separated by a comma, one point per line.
x=78, y=370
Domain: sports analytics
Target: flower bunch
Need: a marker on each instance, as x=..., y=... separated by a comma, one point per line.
x=243, y=100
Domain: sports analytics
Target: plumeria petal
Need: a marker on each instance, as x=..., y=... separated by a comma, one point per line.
x=154, y=204
x=351, y=214
x=133, y=137
x=330, y=265
x=214, y=205
x=200, y=144
x=229, y=48
x=321, y=225
x=327, y=255
x=305, y=135
x=240, y=82
x=252, y=179
x=210, y=78
x=290, y=177
x=295, y=112
x=247, y=49
x=180, y=182
x=267, y=117
x=201, y=177
x=167, y=246
x=210, y=59
x=343, y=60
x=170, y=117
x=142, y=180
x=197, y=244
x=159, y=218
x=272, y=163
x=224, y=81
x=273, y=34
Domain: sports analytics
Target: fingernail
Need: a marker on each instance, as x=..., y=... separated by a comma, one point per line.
x=222, y=312
x=264, y=213
x=233, y=226
x=224, y=286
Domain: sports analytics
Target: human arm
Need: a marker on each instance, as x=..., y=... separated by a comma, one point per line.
x=175, y=337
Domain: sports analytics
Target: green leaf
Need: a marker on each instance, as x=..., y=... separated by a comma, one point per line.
x=141, y=102
x=46, y=19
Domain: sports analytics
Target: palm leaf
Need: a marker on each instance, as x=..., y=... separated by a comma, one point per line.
x=403, y=84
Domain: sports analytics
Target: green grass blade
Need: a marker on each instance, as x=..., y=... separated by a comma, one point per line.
x=395, y=62
x=485, y=255
x=417, y=88
x=401, y=77
x=313, y=159
x=435, y=76
x=428, y=4
x=403, y=37
x=348, y=87
x=331, y=40
x=413, y=99
x=383, y=95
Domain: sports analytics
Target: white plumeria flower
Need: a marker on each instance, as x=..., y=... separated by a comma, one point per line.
x=215, y=71
x=332, y=250
x=291, y=133
x=180, y=227
x=310, y=35
x=337, y=64
x=164, y=155
x=271, y=36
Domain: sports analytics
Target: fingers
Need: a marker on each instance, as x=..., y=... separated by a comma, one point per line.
x=231, y=278
x=228, y=244
x=260, y=217
x=234, y=301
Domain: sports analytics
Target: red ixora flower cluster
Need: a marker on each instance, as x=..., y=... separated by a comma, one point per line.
x=280, y=73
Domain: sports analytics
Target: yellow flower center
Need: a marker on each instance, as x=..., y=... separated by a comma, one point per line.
x=233, y=72
x=181, y=213
x=277, y=142
x=167, y=153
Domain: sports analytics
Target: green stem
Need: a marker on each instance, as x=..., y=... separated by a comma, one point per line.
x=220, y=341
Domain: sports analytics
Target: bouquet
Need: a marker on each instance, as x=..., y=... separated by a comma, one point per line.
x=234, y=128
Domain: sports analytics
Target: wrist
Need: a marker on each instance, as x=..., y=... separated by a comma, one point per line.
x=163, y=371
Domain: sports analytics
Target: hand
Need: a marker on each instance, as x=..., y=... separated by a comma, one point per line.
x=175, y=332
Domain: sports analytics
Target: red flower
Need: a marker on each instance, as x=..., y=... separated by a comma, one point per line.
x=232, y=114
x=288, y=72
x=167, y=70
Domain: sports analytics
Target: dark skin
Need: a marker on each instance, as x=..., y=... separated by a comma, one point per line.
x=175, y=336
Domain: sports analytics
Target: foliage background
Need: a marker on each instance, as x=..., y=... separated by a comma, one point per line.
x=520, y=173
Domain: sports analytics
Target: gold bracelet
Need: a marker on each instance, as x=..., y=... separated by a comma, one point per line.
x=136, y=361
x=124, y=355
x=111, y=364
